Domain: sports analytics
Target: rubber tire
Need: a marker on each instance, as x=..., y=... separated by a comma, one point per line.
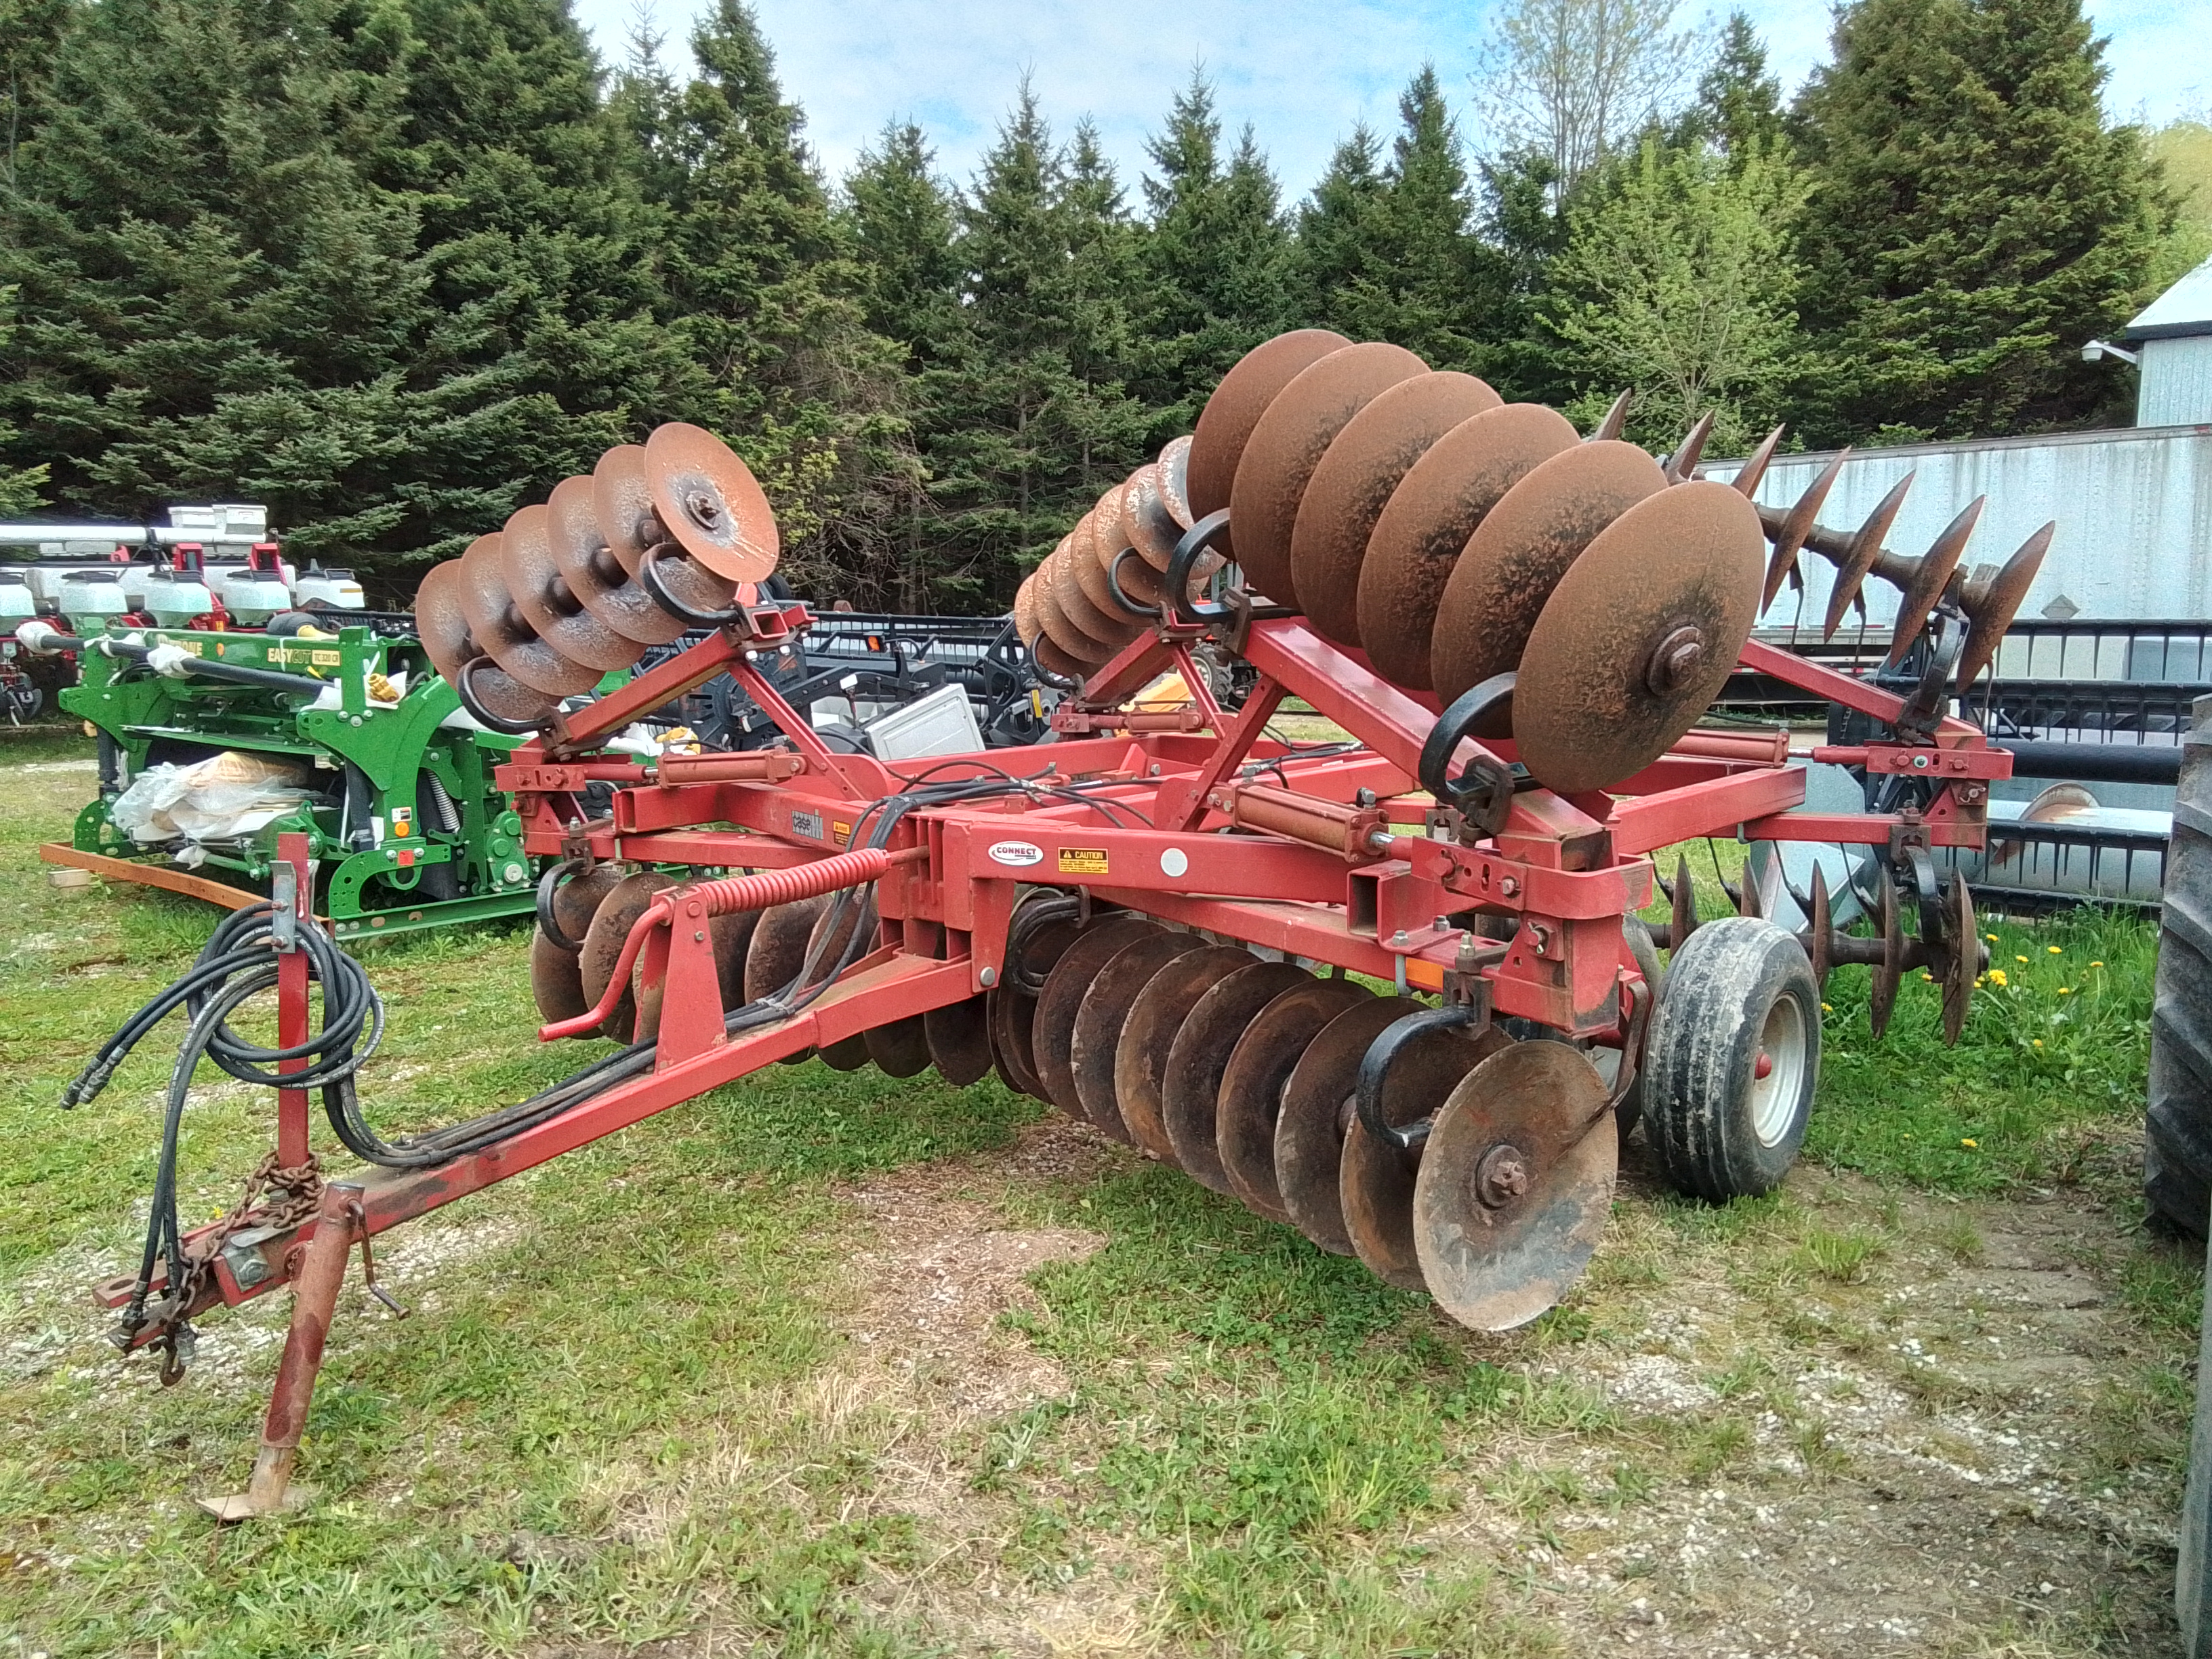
x=2177, y=1128
x=1703, y=1053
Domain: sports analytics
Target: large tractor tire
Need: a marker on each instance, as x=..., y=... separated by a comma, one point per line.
x=2178, y=1139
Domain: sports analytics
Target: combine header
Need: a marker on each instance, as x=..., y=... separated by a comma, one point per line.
x=1390, y=991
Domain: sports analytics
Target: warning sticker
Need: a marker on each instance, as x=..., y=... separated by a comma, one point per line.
x=840, y=831
x=1083, y=860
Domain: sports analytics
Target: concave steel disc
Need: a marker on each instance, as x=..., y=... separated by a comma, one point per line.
x=1518, y=553
x=1084, y=597
x=1104, y=1011
x=1288, y=443
x=547, y=603
x=622, y=500
x=1175, y=482
x=710, y=502
x=958, y=1037
x=1190, y=1087
x=1152, y=528
x=1026, y=625
x=593, y=573
x=1441, y=501
x=1252, y=1087
x=617, y=914
x=1092, y=547
x=443, y=628
x=1931, y=573
x=1053, y=619
x=1052, y=1033
x=1316, y=1111
x=1148, y=1035
x=1013, y=1011
x=556, y=984
x=496, y=625
x=1638, y=637
x=900, y=1048
x=1990, y=612
x=1375, y=1182
x=1225, y=424
x=1883, y=977
x=778, y=950
x=1354, y=482
x=1516, y=1185
x=830, y=934
x=1963, y=966
x=732, y=938
x=1053, y=660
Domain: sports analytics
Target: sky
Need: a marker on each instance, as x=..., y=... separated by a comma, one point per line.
x=1301, y=72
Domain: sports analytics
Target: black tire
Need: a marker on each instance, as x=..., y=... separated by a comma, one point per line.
x=1741, y=986
x=2178, y=1129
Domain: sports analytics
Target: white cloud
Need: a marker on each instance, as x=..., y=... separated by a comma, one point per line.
x=1301, y=71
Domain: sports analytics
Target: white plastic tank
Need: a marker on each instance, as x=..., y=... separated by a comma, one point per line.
x=92, y=593
x=135, y=575
x=176, y=599
x=17, y=602
x=258, y=591
x=336, y=588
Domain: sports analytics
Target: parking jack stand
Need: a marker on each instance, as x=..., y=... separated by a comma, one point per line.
x=314, y=1298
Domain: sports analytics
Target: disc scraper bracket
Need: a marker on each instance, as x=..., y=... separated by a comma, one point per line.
x=1171, y=923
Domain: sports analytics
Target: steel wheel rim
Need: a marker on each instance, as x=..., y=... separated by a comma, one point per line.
x=1774, y=1096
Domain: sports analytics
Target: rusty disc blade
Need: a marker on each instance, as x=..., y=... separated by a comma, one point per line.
x=505, y=634
x=1072, y=621
x=1174, y=464
x=1932, y=572
x=555, y=983
x=1315, y=1112
x=778, y=950
x=593, y=573
x=1638, y=637
x=1353, y=482
x=1516, y=1185
x=1259, y=1072
x=443, y=628
x=1375, y=1182
x=547, y=602
x=1152, y=528
x=1518, y=553
x=1052, y=1033
x=1287, y=445
x=1013, y=1011
x=709, y=502
x=1424, y=526
x=1990, y=606
x=1027, y=626
x=1965, y=965
x=1190, y=1086
x=1865, y=549
x=958, y=1037
x=1224, y=426
x=622, y=500
x=617, y=914
x=1053, y=660
x=1141, y=1060
x=1055, y=630
x=1088, y=556
x=1883, y=977
x=900, y=1048
x=1795, y=525
x=1104, y=1012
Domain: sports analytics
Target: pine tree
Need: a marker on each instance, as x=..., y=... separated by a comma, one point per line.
x=1972, y=219
x=904, y=222
x=1215, y=260
x=211, y=299
x=20, y=487
x=1738, y=108
x=1392, y=256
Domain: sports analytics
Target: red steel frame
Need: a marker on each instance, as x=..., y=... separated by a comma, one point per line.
x=1567, y=870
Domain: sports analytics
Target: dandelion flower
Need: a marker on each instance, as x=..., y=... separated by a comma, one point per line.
x=2054, y=949
x=1993, y=938
x=1929, y=977
x=2065, y=990
x=2096, y=964
x=2039, y=1042
x=1997, y=976
x=1975, y=1145
x=1827, y=1008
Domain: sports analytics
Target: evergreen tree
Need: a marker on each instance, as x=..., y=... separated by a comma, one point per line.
x=904, y=222
x=1392, y=256
x=1214, y=264
x=20, y=487
x=1738, y=108
x=1525, y=228
x=212, y=301
x=1972, y=220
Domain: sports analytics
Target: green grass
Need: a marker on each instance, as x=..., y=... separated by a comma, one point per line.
x=603, y=1426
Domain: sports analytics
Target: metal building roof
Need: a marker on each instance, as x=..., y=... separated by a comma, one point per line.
x=2184, y=308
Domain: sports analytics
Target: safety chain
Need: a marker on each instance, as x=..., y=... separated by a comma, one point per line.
x=302, y=1187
